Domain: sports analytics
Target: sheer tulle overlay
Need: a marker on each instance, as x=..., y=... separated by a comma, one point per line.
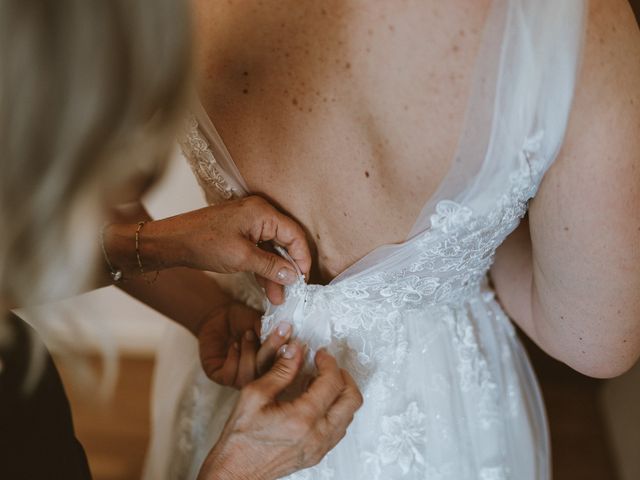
x=449, y=392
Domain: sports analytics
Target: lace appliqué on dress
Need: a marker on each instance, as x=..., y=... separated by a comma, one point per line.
x=363, y=321
x=204, y=165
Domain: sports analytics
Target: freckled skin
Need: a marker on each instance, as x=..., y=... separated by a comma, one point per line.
x=311, y=163
x=309, y=95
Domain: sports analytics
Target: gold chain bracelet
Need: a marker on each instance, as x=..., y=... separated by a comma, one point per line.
x=139, y=257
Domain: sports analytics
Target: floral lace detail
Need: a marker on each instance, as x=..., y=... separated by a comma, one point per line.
x=473, y=370
x=401, y=446
x=365, y=321
x=402, y=439
x=204, y=165
x=191, y=431
x=454, y=257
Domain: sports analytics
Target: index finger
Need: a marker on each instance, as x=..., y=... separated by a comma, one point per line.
x=350, y=400
x=326, y=387
x=290, y=235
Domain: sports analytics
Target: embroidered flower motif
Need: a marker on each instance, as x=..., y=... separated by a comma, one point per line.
x=410, y=289
x=356, y=293
x=368, y=331
x=450, y=216
x=402, y=439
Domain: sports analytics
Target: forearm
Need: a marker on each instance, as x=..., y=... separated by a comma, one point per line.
x=183, y=295
x=156, y=245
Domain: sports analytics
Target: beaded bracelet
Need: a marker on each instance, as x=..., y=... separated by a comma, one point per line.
x=139, y=257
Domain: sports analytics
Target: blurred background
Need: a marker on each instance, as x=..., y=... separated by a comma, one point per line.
x=595, y=424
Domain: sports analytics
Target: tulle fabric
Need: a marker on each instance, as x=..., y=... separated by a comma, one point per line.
x=449, y=392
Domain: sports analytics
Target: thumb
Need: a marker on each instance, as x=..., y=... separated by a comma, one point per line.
x=282, y=373
x=271, y=266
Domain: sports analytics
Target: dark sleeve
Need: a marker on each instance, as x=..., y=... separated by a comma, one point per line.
x=37, y=439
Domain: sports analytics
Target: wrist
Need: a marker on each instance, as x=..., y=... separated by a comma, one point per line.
x=159, y=248
x=221, y=464
x=163, y=246
x=119, y=246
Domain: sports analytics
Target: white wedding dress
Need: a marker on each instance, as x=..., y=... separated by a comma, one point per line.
x=449, y=392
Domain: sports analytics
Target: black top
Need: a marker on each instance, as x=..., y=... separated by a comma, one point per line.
x=37, y=440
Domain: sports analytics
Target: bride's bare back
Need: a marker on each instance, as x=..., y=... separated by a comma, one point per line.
x=345, y=114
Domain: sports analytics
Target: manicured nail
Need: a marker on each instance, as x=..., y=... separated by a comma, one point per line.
x=249, y=335
x=288, y=351
x=283, y=329
x=286, y=276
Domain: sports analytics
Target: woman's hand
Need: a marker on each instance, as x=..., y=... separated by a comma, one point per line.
x=230, y=351
x=221, y=238
x=265, y=439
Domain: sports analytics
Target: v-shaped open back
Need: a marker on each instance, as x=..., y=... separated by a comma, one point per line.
x=518, y=90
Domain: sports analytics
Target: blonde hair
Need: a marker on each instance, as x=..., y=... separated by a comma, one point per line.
x=90, y=93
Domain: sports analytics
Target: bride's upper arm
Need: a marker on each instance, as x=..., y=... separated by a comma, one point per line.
x=585, y=220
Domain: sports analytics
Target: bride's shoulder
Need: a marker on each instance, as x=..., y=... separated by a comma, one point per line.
x=600, y=156
x=605, y=118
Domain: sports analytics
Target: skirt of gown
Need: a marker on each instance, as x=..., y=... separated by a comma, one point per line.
x=456, y=399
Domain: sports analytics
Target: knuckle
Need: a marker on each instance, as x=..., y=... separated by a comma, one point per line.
x=358, y=399
x=319, y=451
x=310, y=412
x=242, y=255
x=269, y=266
x=270, y=224
x=338, y=384
x=341, y=422
x=252, y=201
x=355, y=403
x=314, y=459
x=281, y=371
x=335, y=387
x=328, y=363
x=299, y=426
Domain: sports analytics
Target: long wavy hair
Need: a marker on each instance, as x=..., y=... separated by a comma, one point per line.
x=90, y=95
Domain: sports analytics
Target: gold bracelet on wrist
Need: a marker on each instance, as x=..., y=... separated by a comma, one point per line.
x=139, y=257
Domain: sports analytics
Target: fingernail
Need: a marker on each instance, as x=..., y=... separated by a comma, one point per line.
x=283, y=329
x=236, y=346
x=249, y=335
x=288, y=351
x=286, y=276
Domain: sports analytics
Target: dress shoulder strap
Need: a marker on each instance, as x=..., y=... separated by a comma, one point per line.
x=209, y=158
x=520, y=102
